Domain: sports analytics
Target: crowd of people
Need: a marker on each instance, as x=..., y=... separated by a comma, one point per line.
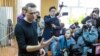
x=36, y=36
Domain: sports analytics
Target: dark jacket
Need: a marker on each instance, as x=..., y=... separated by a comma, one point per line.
x=85, y=19
x=88, y=17
x=49, y=30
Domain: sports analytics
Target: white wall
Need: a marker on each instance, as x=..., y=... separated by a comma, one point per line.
x=22, y=3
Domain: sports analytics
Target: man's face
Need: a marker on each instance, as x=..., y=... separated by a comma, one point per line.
x=95, y=15
x=31, y=13
x=52, y=12
x=68, y=34
x=96, y=10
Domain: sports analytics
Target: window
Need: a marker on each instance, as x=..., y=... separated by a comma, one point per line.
x=77, y=10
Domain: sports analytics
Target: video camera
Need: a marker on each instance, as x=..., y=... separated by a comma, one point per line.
x=76, y=50
x=38, y=18
x=64, y=13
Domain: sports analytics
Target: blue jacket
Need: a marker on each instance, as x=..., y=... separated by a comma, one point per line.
x=67, y=42
x=64, y=44
x=90, y=36
x=49, y=30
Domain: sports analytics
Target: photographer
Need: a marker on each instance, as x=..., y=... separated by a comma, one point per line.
x=94, y=16
x=52, y=25
x=89, y=36
x=40, y=25
x=64, y=44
